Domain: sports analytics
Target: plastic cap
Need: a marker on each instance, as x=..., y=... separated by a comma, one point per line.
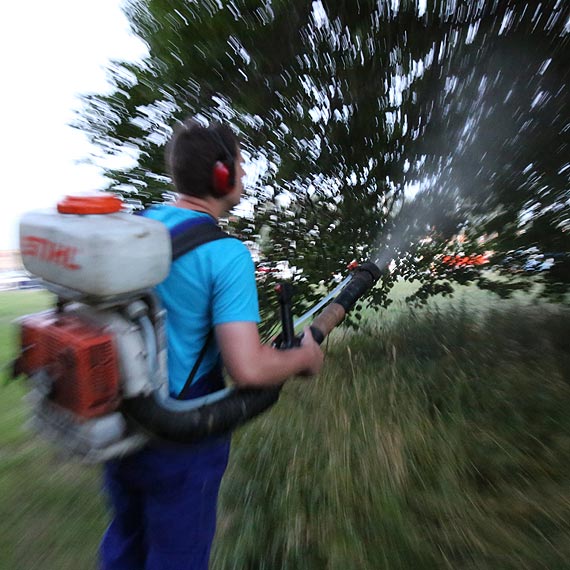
x=95, y=204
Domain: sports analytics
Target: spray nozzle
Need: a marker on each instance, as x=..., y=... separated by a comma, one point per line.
x=364, y=278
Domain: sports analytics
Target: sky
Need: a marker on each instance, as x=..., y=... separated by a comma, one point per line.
x=51, y=51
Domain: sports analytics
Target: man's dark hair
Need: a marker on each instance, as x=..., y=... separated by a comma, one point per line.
x=192, y=153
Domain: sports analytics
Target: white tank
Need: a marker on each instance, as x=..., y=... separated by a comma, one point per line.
x=89, y=245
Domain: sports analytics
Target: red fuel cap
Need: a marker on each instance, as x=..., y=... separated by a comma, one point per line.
x=94, y=204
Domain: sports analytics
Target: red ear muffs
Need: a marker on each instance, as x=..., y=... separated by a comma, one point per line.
x=221, y=179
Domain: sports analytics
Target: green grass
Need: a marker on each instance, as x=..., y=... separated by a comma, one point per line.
x=12, y=305
x=434, y=439
x=439, y=441
x=52, y=513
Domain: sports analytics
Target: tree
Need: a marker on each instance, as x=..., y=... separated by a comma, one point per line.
x=346, y=109
x=501, y=127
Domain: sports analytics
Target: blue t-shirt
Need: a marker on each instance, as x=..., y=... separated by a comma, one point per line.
x=208, y=286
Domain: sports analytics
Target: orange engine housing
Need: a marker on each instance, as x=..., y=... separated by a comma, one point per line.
x=79, y=357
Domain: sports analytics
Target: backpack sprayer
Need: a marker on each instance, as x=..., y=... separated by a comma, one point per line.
x=97, y=360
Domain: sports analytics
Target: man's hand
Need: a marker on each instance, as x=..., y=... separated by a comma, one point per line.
x=314, y=354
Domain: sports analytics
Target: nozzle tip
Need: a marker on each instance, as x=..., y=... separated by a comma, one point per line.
x=372, y=268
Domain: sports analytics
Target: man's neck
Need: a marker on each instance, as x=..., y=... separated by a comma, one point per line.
x=206, y=205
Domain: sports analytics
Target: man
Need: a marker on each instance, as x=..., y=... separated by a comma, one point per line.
x=164, y=497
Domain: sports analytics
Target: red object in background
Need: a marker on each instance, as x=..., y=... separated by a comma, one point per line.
x=465, y=260
x=265, y=269
x=352, y=265
x=80, y=359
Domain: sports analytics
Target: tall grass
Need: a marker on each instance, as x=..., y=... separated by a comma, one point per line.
x=433, y=439
x=441, y=441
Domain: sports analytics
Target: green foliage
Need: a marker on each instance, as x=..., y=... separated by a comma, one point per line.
x=345, y=109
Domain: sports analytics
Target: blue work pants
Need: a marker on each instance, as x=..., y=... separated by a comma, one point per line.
x=164, y=501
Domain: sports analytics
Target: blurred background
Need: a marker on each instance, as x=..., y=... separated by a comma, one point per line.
x=431, y=136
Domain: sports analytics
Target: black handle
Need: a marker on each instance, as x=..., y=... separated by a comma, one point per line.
x=287, y=338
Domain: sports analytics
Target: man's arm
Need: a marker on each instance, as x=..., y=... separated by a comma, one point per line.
x=252, y=364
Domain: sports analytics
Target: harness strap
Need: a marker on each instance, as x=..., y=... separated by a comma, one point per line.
x=186, y=236
x=192, y=233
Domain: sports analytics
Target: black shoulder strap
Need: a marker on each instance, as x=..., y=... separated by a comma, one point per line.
x=185, y=237
x=192, y=233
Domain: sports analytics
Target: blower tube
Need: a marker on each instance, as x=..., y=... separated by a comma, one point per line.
x=224, y=411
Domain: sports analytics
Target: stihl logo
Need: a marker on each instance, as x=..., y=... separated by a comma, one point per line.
x=46, y=250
